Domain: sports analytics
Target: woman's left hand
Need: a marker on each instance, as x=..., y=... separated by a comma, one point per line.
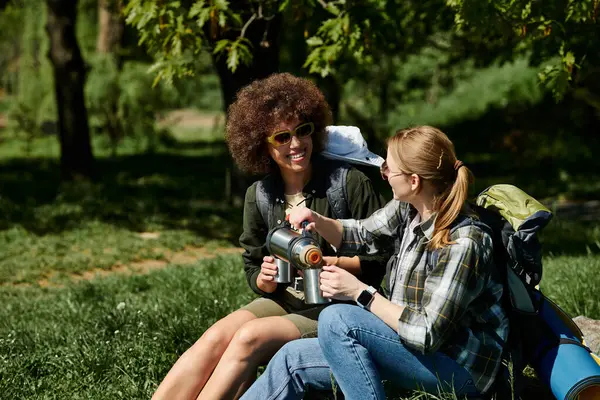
x=340, y=284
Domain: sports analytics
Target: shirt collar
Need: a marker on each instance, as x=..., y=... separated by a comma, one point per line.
x=426, y=227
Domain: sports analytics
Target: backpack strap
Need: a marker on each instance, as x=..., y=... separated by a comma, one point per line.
x=337, y=191
x=264, y=201
x=433, y=256
x=393, y=261
x=337, y=194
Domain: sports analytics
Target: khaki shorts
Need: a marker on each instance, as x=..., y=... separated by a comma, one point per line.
x=291, y=307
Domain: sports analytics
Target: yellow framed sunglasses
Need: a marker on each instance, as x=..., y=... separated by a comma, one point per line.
x=284, y=137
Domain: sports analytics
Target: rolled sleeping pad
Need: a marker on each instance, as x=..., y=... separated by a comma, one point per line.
x=562, y=360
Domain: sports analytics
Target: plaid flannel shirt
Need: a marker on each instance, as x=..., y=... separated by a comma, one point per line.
x=452, y=306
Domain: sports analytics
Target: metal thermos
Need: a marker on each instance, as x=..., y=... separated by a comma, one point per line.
x=312, y=287
x=300, y=251
x=284, y=271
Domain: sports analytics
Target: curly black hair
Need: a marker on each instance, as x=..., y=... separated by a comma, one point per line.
x=261, y=106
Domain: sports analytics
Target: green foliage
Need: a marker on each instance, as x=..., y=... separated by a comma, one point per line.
x=362, y=33
x=353, y=36
x=102, y=90
x=140, y=103
x=174, y=33
x=563, y=34
x=202, y=92
x=87, y=27
x=436, y=87
x=337, y=32
x=34, y=102
x=11, y=26
x=124, y=102
x=34, y=106
x=471, y=93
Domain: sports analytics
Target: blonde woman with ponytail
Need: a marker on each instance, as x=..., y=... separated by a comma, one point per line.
x=440, y=324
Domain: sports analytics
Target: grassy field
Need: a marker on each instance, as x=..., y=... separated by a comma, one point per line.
x=116, y=337
x=104, y=285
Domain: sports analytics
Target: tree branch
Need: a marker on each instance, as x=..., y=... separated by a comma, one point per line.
x=261, y=16
x=247, y=24
x=323, y=4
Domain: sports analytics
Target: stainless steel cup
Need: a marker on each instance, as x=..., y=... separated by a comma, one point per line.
x=312, y=291
x=284, y=271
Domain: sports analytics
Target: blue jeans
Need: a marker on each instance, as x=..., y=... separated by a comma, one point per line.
x=360, y=350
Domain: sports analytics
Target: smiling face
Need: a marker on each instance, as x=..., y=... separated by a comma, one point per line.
x=295, y=155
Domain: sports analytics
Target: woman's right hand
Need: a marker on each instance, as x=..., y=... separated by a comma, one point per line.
x=265, y=279
x=300, y=214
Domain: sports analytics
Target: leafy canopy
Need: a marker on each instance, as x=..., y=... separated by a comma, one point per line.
x=561, y=33
x=564, y=34
x=349, y=31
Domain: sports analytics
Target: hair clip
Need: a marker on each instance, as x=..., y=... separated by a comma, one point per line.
x=440, y=162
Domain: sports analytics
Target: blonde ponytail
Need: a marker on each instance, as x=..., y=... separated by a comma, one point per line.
x=450, y=207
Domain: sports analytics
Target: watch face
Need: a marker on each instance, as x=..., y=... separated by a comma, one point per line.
x=364, y=298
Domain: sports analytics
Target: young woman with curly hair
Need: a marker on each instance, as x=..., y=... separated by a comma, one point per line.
x=276, y=126
x=441, y=326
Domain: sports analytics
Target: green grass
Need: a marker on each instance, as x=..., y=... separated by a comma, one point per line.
x=116, y=337
x=113, y=338
x=94, y=245
x=571, y=265
x=51, y=228
x=573, y=282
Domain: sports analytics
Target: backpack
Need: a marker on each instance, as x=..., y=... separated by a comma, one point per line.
x=337, y=194
x=538, y=326
x=515, y=218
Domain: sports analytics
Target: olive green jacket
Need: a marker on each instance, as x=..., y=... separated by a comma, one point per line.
x=362, y=202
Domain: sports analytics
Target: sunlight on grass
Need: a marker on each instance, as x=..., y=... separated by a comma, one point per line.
x=116, y=337
x=573, y=283
x=124, y=332
x=29, y=258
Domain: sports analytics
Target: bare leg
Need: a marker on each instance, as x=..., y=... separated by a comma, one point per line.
x=190, y=373
x=254, y=343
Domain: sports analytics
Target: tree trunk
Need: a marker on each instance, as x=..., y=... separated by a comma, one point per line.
x=77, y=160
x=332, y=91
x=265, y=46
x=111, y=27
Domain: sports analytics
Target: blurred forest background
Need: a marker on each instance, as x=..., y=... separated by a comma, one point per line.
x=513, y=83
x=115, y=178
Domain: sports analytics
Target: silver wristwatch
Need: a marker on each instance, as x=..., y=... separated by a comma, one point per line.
x=366, y=297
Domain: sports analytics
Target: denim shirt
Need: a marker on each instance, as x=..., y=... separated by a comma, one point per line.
x=453, y=306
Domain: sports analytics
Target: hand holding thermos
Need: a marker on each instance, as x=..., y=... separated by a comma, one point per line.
x=301, y=251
